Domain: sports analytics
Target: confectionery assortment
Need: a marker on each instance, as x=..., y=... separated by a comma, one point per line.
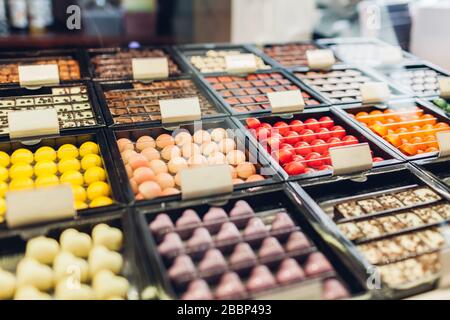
x=214, y=60
x=246, y=94
x=141, y=102
x=239, y=254
x=69, y=69
x=302, y=147
x=72, y=103
x=153, y=164
x=411, y=130
x=117, y=64
x=269, y=238
x=75, y=266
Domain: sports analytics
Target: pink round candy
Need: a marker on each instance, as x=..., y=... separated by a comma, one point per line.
x=150, y=154
x=137, y=161
x=127, y=154
x=150, y=190
x=142, y=174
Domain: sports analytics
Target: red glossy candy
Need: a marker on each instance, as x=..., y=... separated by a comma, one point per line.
x=334, y=142
x=303, y=148
x=323, y=134
x=266, y=125
x=326, y=122
x=312, y=124
x=292, y=137
x=294, y=168
x=325, y=167
x=262, y=133
x=309, y=170
x=314, y=160
x=338, y=132
x=319, y=146
x=253, y=123
x=308, y=135
x=281, y=127
x=284, y=156
x=297, y=126
x=349, y=140
x=377, y=159
x=298, y=158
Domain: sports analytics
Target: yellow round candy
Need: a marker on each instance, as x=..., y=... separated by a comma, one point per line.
x=80, y=205
x=3, y=188
x=21, y=184
x=4, y=174
x=4, y=159
x=22, y=156
x=94, y=174
x=100, y=202
x=2, y=208
x=21, y=170
x=45, y=168
x=91, y=160
x=72, y=177
x=67, y=151
x=45, y=154
x=97, y=189
x=69, y=164
x=47, y=181
x=89, y=148
x=79, y=193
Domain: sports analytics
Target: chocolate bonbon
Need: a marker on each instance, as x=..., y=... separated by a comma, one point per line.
x=291, y=54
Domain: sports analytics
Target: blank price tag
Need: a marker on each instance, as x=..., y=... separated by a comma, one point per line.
x=391, y=55
x=444, y=86
x=150, y=68
x=38, y=75
x=321, y=59
x=32, y=123
x=241, y=63
x=351, y=159
x=206, y=181
x=443, y=139
x=177, y=110
x=374, y=92
x=286, y=101
x=39, y=205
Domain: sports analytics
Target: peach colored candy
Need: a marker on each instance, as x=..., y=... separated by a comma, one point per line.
x=177, y=164
x=235, y=157
x=170, y=152
x=150, y=190
x=127, y=154
x=190, y=149
x=234, y=173
x=245, y=170
x=217, y=158
x=177, y=179
x=209, y=148
x=197, y=160
x=218, y=134
x=129, y=170
x=145, y=142
x=170, y=192
x=158, y=166
x=138, y=160
x=134, y=185
x=255, y=178
x=150, y=154
x=226, y=145
x=139, y=196
x=238, y=181
x=183, y=138
x=165, y=180
x=143, y=174
x=201, y=137
x=164, y=140
x=125, y=144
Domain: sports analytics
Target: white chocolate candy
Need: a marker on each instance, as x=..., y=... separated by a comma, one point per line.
x=32, y=273
x=183, y=138
x=67, y=289
x=76, y=242
x=42, y=249
x=218, y=134
x=30, y=293
x=7, y=285
x=107, y=236
x=106, y=285
x=66, y=265
x=226, y=145
x=101, y=258
x=235, y=157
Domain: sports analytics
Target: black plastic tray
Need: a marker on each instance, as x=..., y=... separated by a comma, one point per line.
x=97, y=136
x=13, y=243
x=90, y=53
x=354, y=109
x=135, y=132
x=378, y=149
x=438, y=169
x=315, y=194
x=15, y=91
x=102, y=87
x=295, y=81
x=265, y=199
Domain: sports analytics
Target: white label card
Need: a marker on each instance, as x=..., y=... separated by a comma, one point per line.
x=241, y=63
x=444, y=86
x=33, y=76
x=178, y=110
x=39, y=205
x=374, y=92
x=443, y=139
x=150, y=68
x=351, y=159
x=391, y=55
x=32, y=123
x=286, y=101
x=206, y=181
x=320, y=59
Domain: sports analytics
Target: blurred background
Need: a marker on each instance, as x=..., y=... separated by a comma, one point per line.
x=419, y=26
